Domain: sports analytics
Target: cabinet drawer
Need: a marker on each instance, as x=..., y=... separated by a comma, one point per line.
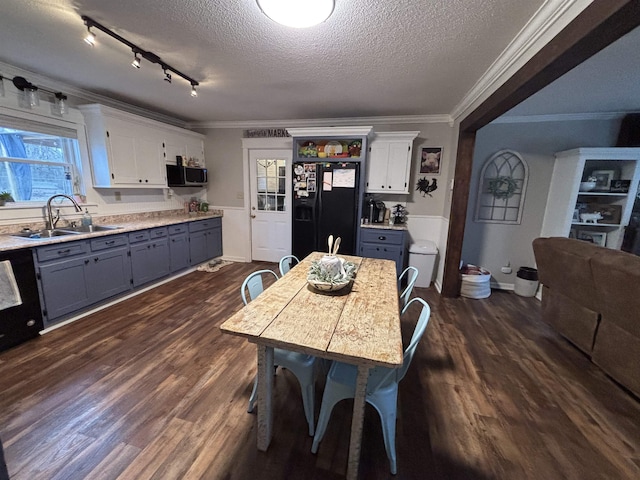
x=108, y=242
x=176, y=229
x=382, y=237
x=205, y=224
x=62, y=250
x=158, y=232
x=139, y=236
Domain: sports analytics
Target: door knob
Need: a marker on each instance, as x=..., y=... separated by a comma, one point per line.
x=253, y=216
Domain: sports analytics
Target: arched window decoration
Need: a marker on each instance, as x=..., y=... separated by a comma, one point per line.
x=501, y=189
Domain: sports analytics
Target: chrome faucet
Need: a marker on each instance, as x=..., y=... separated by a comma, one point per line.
x=51, y=222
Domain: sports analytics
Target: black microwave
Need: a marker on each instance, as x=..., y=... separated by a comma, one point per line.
x=182, y=176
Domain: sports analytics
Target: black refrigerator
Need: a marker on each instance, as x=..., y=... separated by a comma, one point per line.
x=326, y=201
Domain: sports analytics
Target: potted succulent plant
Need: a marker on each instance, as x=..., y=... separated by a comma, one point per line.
x=5, y=197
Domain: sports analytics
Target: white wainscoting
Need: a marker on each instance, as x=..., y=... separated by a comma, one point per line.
x=436, y=229
x=236, y=238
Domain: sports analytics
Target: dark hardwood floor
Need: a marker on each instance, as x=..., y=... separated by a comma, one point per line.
x=150, y=389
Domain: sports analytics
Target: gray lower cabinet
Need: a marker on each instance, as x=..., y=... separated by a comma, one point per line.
x=385, y=244
x=149, y=255
x=205, y=240
x=74, y=275
x=78, y=274
x=178, y=247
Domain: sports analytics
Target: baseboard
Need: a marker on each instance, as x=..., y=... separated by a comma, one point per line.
x=501, y=286
x=232, y=258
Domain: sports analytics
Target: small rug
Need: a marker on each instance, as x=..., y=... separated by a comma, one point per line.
x=213, y=266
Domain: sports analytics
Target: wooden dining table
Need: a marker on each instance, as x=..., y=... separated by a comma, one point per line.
x=359, y=324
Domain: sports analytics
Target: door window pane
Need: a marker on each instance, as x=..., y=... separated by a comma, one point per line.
x=271, y=179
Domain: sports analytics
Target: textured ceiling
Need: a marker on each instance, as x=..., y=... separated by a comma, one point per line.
x=607, y=82
x=370, y=58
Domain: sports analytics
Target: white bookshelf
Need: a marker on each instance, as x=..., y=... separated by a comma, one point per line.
x=570, y=168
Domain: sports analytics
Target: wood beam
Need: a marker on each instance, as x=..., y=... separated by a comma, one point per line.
x=599, y=25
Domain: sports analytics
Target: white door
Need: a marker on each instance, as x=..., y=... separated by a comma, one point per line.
x=270, y=205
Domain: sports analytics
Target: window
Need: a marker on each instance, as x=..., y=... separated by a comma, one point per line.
x=271, y=184
x=38, y=160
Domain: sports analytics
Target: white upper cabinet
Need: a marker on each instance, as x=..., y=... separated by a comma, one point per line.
x=389, y=166
x=128, y=151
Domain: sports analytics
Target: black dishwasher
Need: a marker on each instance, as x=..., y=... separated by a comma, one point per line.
x=21, y=315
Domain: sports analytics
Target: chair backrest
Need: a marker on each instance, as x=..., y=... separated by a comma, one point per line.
x=285, y=263
x=412, y=274
x=418, y=331
x=384, y=375
x=253, y=283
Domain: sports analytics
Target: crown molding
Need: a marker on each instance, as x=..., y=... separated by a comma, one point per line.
x=559, y=117
x=8, y=71
x=550, y=18
x=326, y=122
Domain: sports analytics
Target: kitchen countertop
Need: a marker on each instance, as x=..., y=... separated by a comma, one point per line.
x=126, y=223
x=385, y=226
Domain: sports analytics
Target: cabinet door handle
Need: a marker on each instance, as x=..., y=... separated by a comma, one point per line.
x=140, y=180
x=110, y=242
x=64, y=252
x=389, y=186
x=382, y=237
x=86, y=262
x=96, y=259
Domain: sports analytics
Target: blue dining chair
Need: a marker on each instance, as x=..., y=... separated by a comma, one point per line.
x=411, y=273
x=286, y=263
x=304, y=367
x=382, y=388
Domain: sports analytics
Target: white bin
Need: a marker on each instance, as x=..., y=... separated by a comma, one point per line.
x=476, y=285
x=422, y=255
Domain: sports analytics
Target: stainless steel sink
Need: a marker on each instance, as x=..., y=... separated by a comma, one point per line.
x=60, y=232
x=40, y=234
x=88, y=228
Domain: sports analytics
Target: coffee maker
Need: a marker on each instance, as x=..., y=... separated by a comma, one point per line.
x=374, y=211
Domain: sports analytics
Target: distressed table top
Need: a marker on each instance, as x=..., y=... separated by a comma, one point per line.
x=358, y=325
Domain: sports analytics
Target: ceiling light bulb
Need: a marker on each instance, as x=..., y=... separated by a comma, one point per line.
x=194, y=93
x=297, y=13
x=90, y=39
x=136, y=61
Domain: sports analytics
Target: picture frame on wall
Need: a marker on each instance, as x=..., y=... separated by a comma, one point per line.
x=598, y=238
x=431, y=160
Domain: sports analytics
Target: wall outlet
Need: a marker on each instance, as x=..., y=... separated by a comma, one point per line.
x=506, y=270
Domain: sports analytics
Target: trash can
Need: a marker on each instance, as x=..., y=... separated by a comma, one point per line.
x=422, y=255
x=526, y=282
x=476, y=282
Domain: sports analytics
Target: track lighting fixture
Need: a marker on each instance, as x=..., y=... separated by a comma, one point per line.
x=29, y=96
x=136, y=60
x=90, y=38
x=138, y=53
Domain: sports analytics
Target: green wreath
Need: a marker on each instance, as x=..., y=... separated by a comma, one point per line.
x=502, y=187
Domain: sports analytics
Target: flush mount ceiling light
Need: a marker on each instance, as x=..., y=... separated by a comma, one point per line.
x=297, y=13
x=138, y=53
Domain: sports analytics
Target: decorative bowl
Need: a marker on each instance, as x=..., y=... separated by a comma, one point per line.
x=587, y=186
x=326, y=286
x=330, y=273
